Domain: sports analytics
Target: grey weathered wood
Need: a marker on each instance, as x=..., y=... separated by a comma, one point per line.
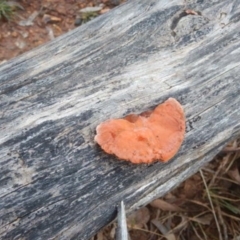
x=55, y=183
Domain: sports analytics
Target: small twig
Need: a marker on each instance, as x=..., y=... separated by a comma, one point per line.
x=195, y=231
x=225, y=235
x=220, y=167
x=231, y=149
x=204, y=234
x=210, y=201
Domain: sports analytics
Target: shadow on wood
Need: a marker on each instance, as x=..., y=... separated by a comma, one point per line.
x=55, y=183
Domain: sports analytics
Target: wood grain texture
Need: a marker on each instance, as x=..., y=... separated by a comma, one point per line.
x=55, y=183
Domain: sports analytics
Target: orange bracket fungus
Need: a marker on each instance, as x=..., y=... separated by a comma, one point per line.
x=145, y=138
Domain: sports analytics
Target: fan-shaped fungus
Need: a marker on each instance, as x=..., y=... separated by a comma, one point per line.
x=145, y=138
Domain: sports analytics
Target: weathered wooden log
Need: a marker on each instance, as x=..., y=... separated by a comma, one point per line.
x=55, y=183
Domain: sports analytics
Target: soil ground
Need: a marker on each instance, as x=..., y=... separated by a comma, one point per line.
x=50, y=18
x=206, y=206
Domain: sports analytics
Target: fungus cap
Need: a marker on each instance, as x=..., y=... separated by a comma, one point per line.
x=145, y=138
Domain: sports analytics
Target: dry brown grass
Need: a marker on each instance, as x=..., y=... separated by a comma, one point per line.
x=205, y=206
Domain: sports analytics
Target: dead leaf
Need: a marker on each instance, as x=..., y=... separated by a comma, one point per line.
x=165, y=206
x=234, y=175
x=190, y=188
x=104, y=10
x=170, y=196
x=29, y=21
x=139, y=218
x=231, y=149
x=113, y=231
x=50, y=33
x=100, y=235
x=164, y=230
x=91, y=9
x=205, y=220
x=50, y=19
